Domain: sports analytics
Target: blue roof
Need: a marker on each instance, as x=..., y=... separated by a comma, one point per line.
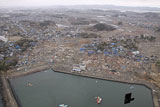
x=138, y=60
x=90, y=52
x=82, y=49
x=17, y=47
x=106, y=53
x=113, y=43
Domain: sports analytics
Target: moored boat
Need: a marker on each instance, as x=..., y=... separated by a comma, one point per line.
x=99, y=100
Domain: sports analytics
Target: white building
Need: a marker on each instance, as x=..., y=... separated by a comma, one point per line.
x=3, y=38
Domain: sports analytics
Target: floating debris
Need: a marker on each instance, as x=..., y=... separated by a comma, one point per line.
x=29, y=84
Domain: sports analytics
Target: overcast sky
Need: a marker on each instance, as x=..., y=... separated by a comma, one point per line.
x=150, y=3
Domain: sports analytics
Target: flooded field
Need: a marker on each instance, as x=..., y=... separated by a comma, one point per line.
x=50, y=89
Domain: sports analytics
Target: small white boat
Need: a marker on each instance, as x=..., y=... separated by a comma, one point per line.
x=63, y=105
x=131, y=87
x=29, y=84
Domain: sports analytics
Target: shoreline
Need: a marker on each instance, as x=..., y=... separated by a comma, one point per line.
x=7, y=94
x=10, y=97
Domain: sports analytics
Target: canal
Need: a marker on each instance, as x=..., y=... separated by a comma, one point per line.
x=49, y=89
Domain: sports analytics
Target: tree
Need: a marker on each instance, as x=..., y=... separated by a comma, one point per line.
x=102, y=26
x=120, y=23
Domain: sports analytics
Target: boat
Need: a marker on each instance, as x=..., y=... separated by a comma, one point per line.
x=99, y=100
x=131, y=87
x=63, y=105
x=29, y=84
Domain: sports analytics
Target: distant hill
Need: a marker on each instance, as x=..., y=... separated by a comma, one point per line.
x=112, y=7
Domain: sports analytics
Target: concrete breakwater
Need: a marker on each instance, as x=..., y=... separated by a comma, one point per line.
x=7, y=94
x=33, y=70
x=1, y=97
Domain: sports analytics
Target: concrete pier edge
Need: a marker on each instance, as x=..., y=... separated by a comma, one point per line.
x=7, y=93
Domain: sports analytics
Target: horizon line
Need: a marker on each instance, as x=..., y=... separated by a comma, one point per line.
x=67, y=5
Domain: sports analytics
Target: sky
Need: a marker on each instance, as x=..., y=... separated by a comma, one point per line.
x=146, y=3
